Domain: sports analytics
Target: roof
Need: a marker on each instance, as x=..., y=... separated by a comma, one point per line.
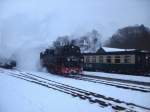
x=116, y=51
x=108, y=49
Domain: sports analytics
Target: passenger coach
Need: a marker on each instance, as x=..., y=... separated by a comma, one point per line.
x=127, y=61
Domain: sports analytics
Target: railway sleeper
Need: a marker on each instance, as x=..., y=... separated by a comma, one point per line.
x=74, y=95
x=98, y=95
x=120, y=108
x=110, y=98
x=117, y=101
x=101, y=103
x=91, y=100
x=87, y=93
x=82, y=97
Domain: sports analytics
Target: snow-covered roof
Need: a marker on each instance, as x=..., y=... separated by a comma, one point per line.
x=108, y=49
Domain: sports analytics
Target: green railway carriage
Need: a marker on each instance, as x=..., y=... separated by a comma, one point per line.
x=134, y=61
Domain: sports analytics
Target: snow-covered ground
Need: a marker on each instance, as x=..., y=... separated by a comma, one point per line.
x=20, y=96
x=120, y=76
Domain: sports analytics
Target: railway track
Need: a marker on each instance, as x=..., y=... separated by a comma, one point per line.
x=92, y=97
x=113, y=82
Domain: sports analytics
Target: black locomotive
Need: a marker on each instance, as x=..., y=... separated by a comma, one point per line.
x=64, y=60
x=6, y=63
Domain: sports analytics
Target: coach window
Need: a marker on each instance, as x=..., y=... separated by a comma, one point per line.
x=147, y=60
x=117, y=59
x=87, y=59
x=127, y=59
x=94, y=59
x=100, y=59
x=108, y=59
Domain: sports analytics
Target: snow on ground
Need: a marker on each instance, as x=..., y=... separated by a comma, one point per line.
x=18, y=95
x=136, y=97
x=120, y=76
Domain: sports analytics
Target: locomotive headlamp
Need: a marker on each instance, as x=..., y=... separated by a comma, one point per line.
x=146, y=57
x=68, y=59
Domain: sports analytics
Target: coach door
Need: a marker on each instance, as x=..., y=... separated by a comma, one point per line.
x=147, y=61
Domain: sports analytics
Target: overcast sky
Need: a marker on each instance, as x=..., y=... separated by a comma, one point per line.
x=49, y=18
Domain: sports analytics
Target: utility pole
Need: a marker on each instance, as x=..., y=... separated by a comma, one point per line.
x=0, y=38
x=1, y=41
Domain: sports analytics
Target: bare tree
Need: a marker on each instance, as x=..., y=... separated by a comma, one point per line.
x=136, y=37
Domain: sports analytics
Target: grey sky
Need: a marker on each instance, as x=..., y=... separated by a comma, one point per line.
x=61, y=17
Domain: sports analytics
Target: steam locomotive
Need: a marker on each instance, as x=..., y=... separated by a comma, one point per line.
x=62, y=60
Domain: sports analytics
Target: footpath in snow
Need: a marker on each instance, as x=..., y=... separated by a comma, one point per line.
x=119, y=76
